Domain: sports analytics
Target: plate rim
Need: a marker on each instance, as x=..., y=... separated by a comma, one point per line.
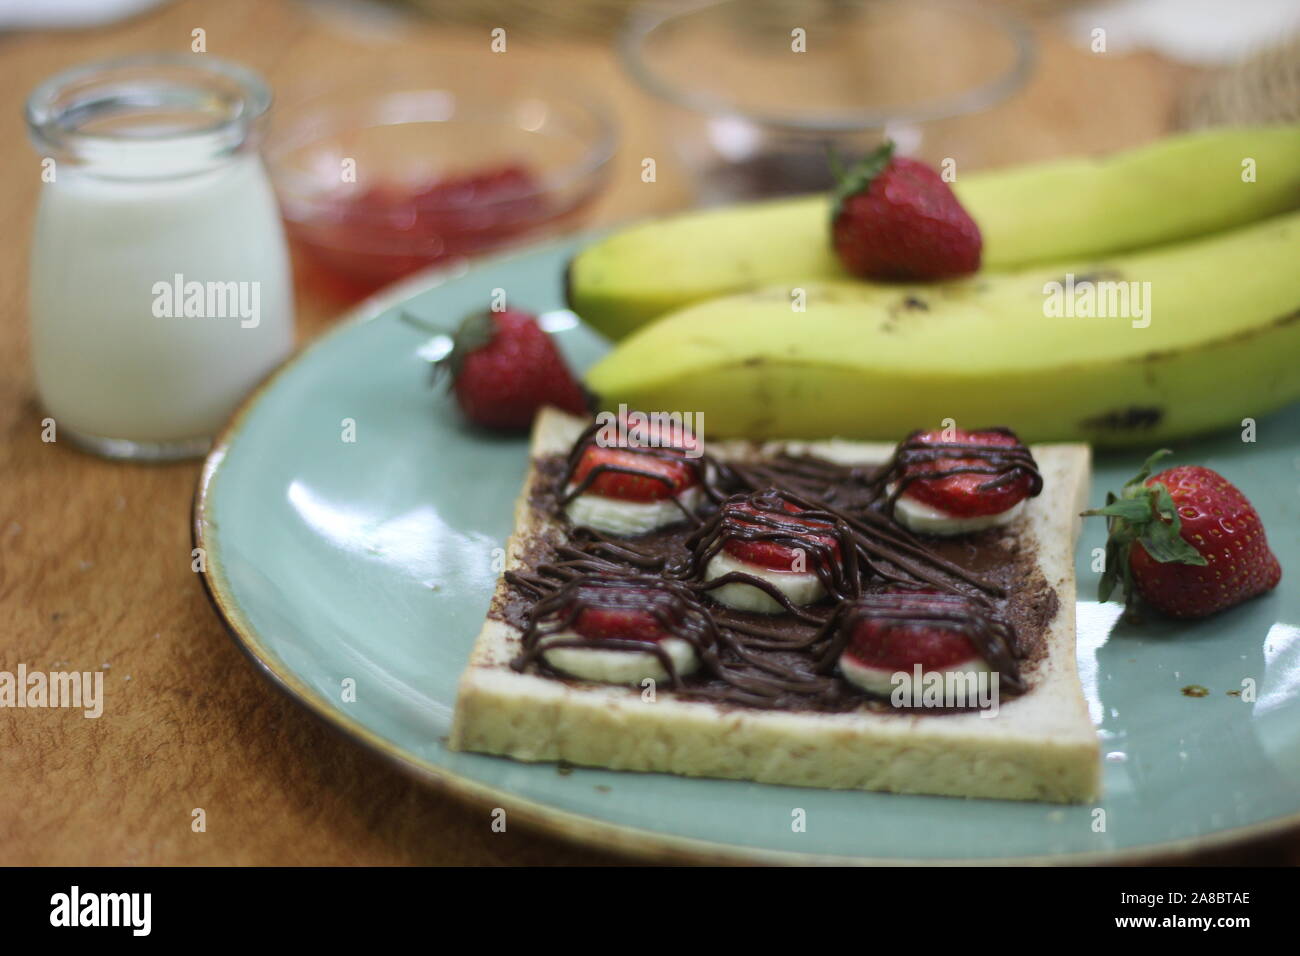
x=572, y=827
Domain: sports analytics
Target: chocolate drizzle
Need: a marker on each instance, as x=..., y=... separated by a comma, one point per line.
x=993, y=639
x=889, y=549
x=672, y=606
x=1005, y=464
x=749, y=680
x=674, y=453
x=825, y=539
x=781, y=661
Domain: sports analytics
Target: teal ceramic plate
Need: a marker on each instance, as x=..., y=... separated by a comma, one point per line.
x=371, y=561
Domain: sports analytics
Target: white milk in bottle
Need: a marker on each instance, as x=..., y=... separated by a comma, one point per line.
x=160, y=288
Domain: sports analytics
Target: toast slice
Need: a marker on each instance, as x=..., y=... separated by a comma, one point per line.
x=1039, y=746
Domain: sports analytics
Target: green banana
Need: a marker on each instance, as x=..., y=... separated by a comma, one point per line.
x=1174, y=189
x=1213, y=336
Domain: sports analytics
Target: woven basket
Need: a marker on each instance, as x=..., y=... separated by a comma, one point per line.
x=1262, y=89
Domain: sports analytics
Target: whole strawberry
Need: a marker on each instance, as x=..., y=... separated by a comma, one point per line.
x=504, y=367
x=895, y=218
x=1187, y=541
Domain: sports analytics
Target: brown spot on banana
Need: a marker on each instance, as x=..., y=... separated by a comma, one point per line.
x=1123, y=420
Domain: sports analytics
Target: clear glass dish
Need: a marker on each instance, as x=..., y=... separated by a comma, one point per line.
x=756, y=92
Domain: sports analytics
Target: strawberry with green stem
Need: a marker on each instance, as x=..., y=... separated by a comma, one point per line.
x=894, y=218
x=1186, y=541
x=503, y=367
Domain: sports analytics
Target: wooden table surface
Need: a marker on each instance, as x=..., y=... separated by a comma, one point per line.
x=95, y=556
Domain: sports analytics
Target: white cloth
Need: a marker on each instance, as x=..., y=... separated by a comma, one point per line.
x=1200, y=32
x=68, y=14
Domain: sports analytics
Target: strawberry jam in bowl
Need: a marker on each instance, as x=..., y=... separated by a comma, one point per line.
x=383, y=180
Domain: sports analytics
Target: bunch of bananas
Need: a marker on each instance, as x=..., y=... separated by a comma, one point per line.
x=1123, y=300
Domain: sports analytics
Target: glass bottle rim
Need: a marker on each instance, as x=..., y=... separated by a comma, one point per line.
x=229, y=96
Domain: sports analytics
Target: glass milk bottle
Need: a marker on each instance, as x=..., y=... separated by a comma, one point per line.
x=160, y=291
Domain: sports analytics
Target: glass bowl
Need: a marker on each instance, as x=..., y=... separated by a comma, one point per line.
x=381, y=180
x=759, y=91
